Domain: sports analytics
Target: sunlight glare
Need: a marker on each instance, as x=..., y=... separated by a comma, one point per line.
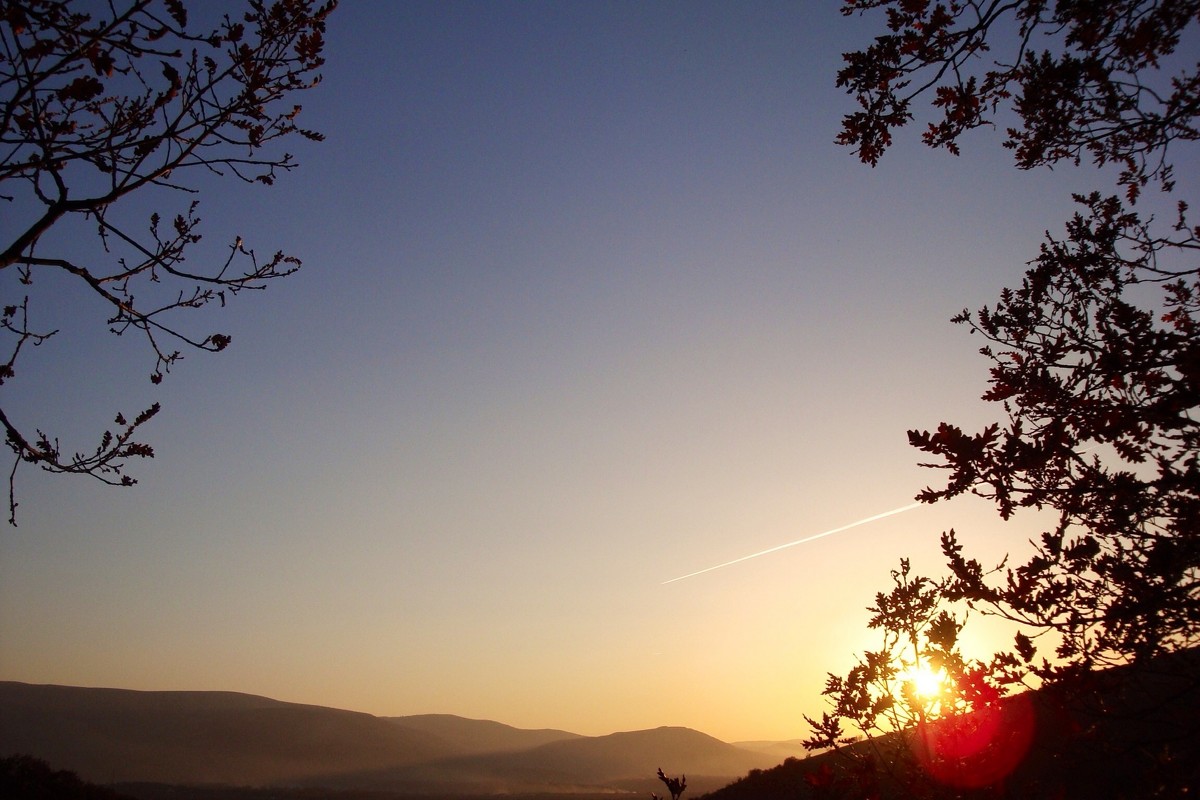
x=926, y=683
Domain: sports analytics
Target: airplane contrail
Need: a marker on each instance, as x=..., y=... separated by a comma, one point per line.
x=805, y=540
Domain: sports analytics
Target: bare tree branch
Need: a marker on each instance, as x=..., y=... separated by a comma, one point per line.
x=97, y=105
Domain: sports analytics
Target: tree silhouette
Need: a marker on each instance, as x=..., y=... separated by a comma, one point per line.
x=882, y=697
x=24, y=777
x=101, y=102
x=1095, y=357
x=1085, y=78
x=674, y=785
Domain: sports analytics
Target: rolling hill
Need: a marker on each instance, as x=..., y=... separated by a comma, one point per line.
x=479, y=735
x=112, y=736
x=620, y=761
x=1131, y=731
x=116, y=735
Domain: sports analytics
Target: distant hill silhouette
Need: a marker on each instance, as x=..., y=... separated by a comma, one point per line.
x=117, y=735
x=478, y=735
x=629, y=754
x=625, y=761
x=112, y=736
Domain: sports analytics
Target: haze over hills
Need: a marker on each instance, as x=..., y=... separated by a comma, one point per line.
x=625, y=760
x=478, y=735
x=125, y=736
x=791, y=748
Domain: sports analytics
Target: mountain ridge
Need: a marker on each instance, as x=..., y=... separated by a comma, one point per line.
x=112, y=735
x=195, y=737
x=480, y=735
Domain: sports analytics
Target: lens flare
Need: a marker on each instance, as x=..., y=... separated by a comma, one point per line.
x=978, y=748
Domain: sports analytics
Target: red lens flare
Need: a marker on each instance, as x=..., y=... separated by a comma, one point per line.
x=979, y=748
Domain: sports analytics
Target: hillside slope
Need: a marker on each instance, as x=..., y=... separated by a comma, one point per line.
x=191, y=738
x=472, y=736
x=1126, y=732
x=619, y=761
x=114, y=735
x=637, y=754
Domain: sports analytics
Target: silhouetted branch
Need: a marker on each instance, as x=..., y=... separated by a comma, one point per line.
x=121, y=99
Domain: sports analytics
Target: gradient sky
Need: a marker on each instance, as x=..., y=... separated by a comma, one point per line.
x=590, y=301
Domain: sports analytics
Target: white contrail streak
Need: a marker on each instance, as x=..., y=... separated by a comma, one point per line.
x=805, y=540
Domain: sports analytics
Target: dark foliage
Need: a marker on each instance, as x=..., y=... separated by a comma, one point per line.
x=103, y=101
x=1095, y=364
x=675, y=786
x=27, y=778
x=1040, y=744
x=1101, y=397
x=1100, y=384
x=917, y=680
x=1085, y=78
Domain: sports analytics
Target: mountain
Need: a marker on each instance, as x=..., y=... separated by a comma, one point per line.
x=637, y=754
x=115, y=735
x=478, y=735
x=619, y=761
x=190, y=738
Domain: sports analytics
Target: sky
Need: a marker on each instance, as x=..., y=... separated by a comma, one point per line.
x=590, y=301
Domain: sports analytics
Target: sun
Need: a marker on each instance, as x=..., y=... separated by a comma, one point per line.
x=925, y=683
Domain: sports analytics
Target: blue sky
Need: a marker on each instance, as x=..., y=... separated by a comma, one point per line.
x=590, y=300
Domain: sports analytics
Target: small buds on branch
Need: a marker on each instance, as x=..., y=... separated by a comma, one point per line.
x=99, y=102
